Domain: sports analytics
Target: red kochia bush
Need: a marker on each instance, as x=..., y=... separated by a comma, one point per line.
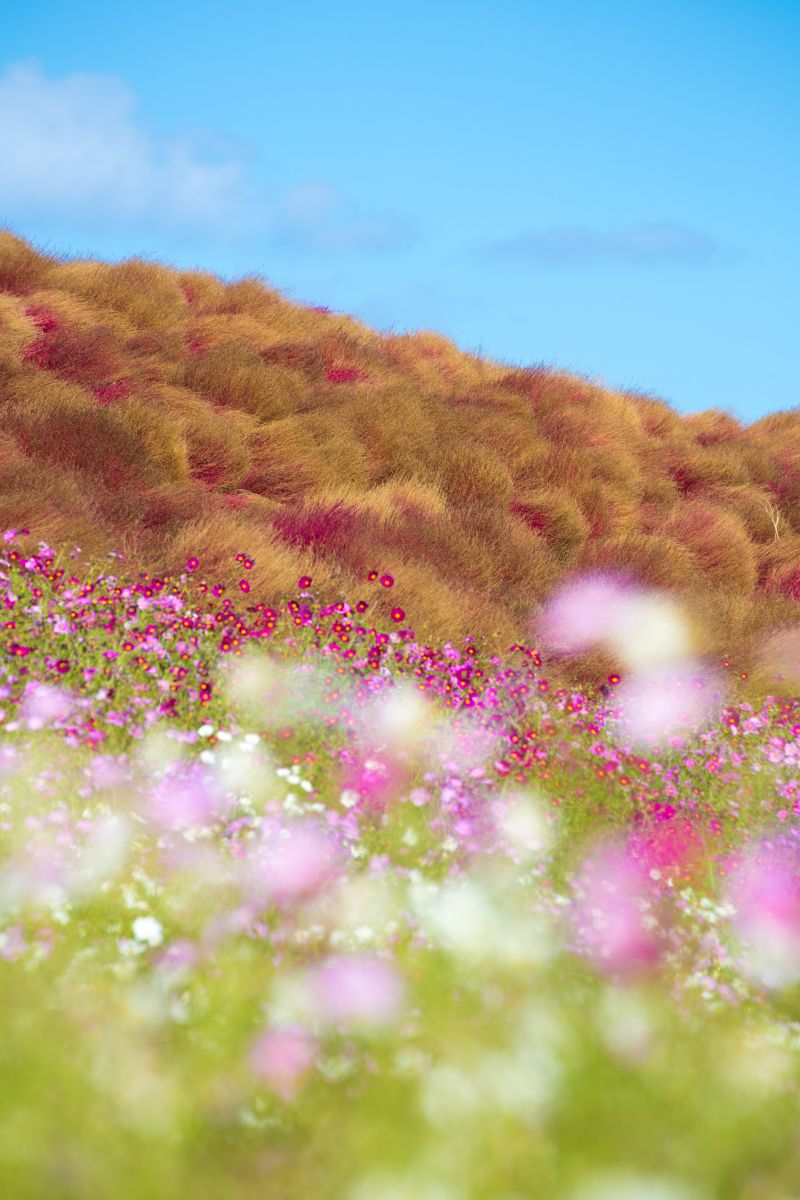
x=89, y=357
x=344, y=375
x=327, y=528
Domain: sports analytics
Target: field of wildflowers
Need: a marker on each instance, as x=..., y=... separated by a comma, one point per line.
x=294, y=905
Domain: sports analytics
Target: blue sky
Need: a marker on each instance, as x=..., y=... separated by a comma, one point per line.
x=608, y=187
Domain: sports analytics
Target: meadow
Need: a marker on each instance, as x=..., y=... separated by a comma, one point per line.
x=389, y=810
x=295, y=905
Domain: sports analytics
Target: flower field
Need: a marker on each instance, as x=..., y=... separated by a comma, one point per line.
x=294, y=906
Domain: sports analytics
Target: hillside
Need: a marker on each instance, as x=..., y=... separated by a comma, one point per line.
x=165, y=413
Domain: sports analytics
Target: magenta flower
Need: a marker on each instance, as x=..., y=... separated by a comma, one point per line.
x=376, y=777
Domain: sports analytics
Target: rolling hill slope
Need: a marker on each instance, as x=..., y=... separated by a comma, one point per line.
x=165, y=413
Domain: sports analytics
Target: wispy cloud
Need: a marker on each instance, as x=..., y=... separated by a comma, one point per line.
x=648, y=244
x=315, y=217
x=76, y=148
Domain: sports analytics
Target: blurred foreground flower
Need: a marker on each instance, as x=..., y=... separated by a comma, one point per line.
x=295, y=860
x=582, y=613
x=283, y=1058
x=610, y=914
x=766, y=896
x=357, y=990
x=643, y=629
x=667, y=702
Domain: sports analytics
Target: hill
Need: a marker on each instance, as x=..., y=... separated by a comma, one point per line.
x=166, y=413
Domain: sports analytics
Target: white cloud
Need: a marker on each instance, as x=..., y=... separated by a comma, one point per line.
x=76, y=145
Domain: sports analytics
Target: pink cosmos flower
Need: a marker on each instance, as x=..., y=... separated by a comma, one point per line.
x=283, y=1058
x=766, y=895
x=582, y=613
x=297, y=860
x=187, y=796
x=671, y=701
x=357, y=989
x=666, y=845
x=610, y=913
x=377, y=777
x=45, y=703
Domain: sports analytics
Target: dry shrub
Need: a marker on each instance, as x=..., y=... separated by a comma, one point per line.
x=532, y=466
x=435, y=361
x=168, y=506
x=395, y=434
x=714, y=427
x=507, y=555
x=250, y=296
x=10, y=454
x=15, y=331
x=775, y=661
x=148, y=294
x=55, y=507
x=752, y=506
x=22, y=268
x=158, y=432
x=658, y=491
x=217, y=447
x=50, y=307
x=284, y=460
x=588, y=417
x=556, y=515
x=776, y=557
x=342, y=460
x=56, y=423
x=659, y=421
x=696, y=469
x=473, y=473
x=609, y=510
x=651, y=560
x=203, y=291
x=303, y=357
x=528, y=566
x=233, y=376
x=438, y=541
x=547, y=464
x=90, y=357
x=338, y=531
x=206, y=331
x=785, y=581
x=718, y=542
x=775, y=428
x=436, y=609
x=401, y=500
